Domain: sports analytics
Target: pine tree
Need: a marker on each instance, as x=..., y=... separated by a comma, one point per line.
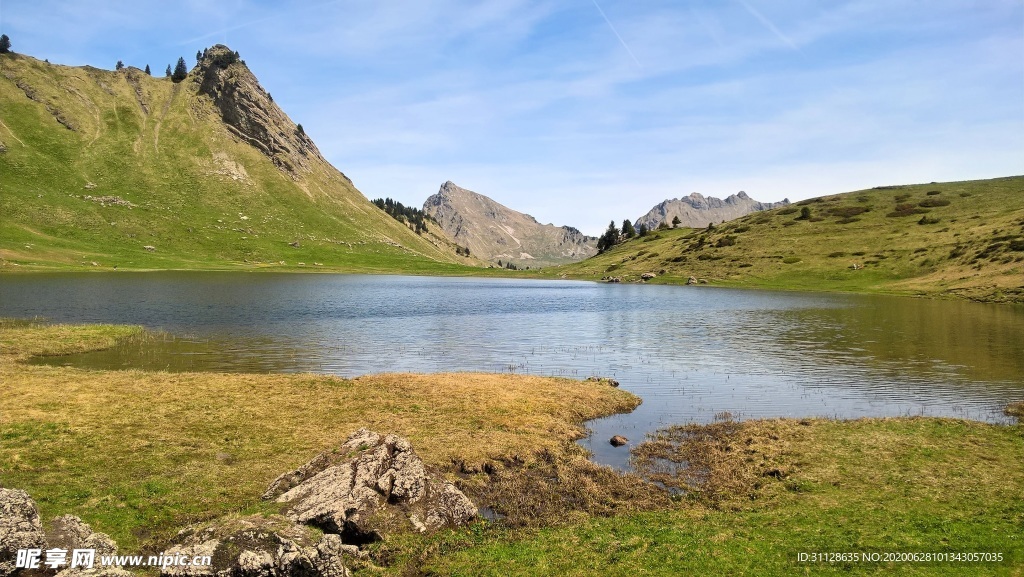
x=609, y=239
x=180, y=71
x=642, y=231
x=675, y=221
x=168, y=70
x=199, y=56
x=147, y=70
x=627, y=229
x=300, y=130
x=5, y=44
x=119, y=65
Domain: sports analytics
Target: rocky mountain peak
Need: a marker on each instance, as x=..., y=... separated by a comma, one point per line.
x=697, y=210
x=250, y=113
x=495, y=232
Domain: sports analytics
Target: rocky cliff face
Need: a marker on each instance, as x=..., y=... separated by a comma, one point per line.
x=495, y=232
x=697, y=211
x=250, y=113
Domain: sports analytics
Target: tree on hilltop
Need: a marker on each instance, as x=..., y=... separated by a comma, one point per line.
x=180, y=71
x=199, y=56
x=628, y=231
x=119, y=65
x=147, y=70
x=5, y=44
x=168, y=73
x=609, y=239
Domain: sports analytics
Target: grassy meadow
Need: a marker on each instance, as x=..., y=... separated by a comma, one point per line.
x=141, y=454
x=96, y=165
x=955, y=239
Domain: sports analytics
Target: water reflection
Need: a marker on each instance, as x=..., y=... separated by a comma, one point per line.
x=689, y=352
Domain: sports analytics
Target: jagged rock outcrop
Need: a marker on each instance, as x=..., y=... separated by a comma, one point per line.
x=250, y=113
x=373, y=484
x=20, y=528
x=697, y=211
x=263, y=547
x=495, y=232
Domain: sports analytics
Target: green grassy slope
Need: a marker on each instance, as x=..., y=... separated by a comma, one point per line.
x=960, y=238
x=180, y=182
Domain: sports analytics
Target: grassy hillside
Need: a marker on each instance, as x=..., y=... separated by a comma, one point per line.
x=958, y=238
x=95, y=166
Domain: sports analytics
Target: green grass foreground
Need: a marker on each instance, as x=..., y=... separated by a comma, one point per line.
x=141, y=454
x=864, y=486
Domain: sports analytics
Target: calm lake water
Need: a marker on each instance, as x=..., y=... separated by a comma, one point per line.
x=689, y=352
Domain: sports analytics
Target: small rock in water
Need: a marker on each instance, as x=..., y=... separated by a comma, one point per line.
x=618, y=441
x=606, y=380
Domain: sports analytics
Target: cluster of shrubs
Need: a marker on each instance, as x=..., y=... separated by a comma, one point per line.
x=413, y=217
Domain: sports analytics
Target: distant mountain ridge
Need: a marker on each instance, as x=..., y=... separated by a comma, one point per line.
x=495, y=232
x=697, y=210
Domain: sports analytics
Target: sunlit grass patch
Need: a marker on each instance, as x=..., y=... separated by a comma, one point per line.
x=140, y=454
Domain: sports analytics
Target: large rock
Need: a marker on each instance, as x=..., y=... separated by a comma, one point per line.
x=250, y=114
x=68, y=532
x=20, y=528
x=374, y=484
x=262, y=547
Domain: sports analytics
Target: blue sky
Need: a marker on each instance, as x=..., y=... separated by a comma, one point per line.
x=578, y=112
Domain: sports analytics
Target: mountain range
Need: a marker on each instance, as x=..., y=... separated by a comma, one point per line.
x=697, y=211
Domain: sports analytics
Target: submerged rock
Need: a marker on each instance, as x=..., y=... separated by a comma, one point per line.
x=618, y=441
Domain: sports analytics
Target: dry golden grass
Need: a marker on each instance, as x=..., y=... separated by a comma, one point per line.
x=140, y=454
x=720, y=463
x=565, y=487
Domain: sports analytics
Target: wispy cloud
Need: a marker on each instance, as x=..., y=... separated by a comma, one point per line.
x=616, y=32
x=530, y=101
x=769, y=25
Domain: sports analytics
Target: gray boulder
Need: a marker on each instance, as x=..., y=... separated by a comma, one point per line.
x=20, y=528
x=373, y=484
x=262, y=547
x=68, y=532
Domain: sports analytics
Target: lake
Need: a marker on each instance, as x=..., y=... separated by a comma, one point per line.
x=690, y=352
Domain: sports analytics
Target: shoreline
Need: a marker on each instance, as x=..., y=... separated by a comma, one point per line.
x=140, y=454
x=497, y=273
